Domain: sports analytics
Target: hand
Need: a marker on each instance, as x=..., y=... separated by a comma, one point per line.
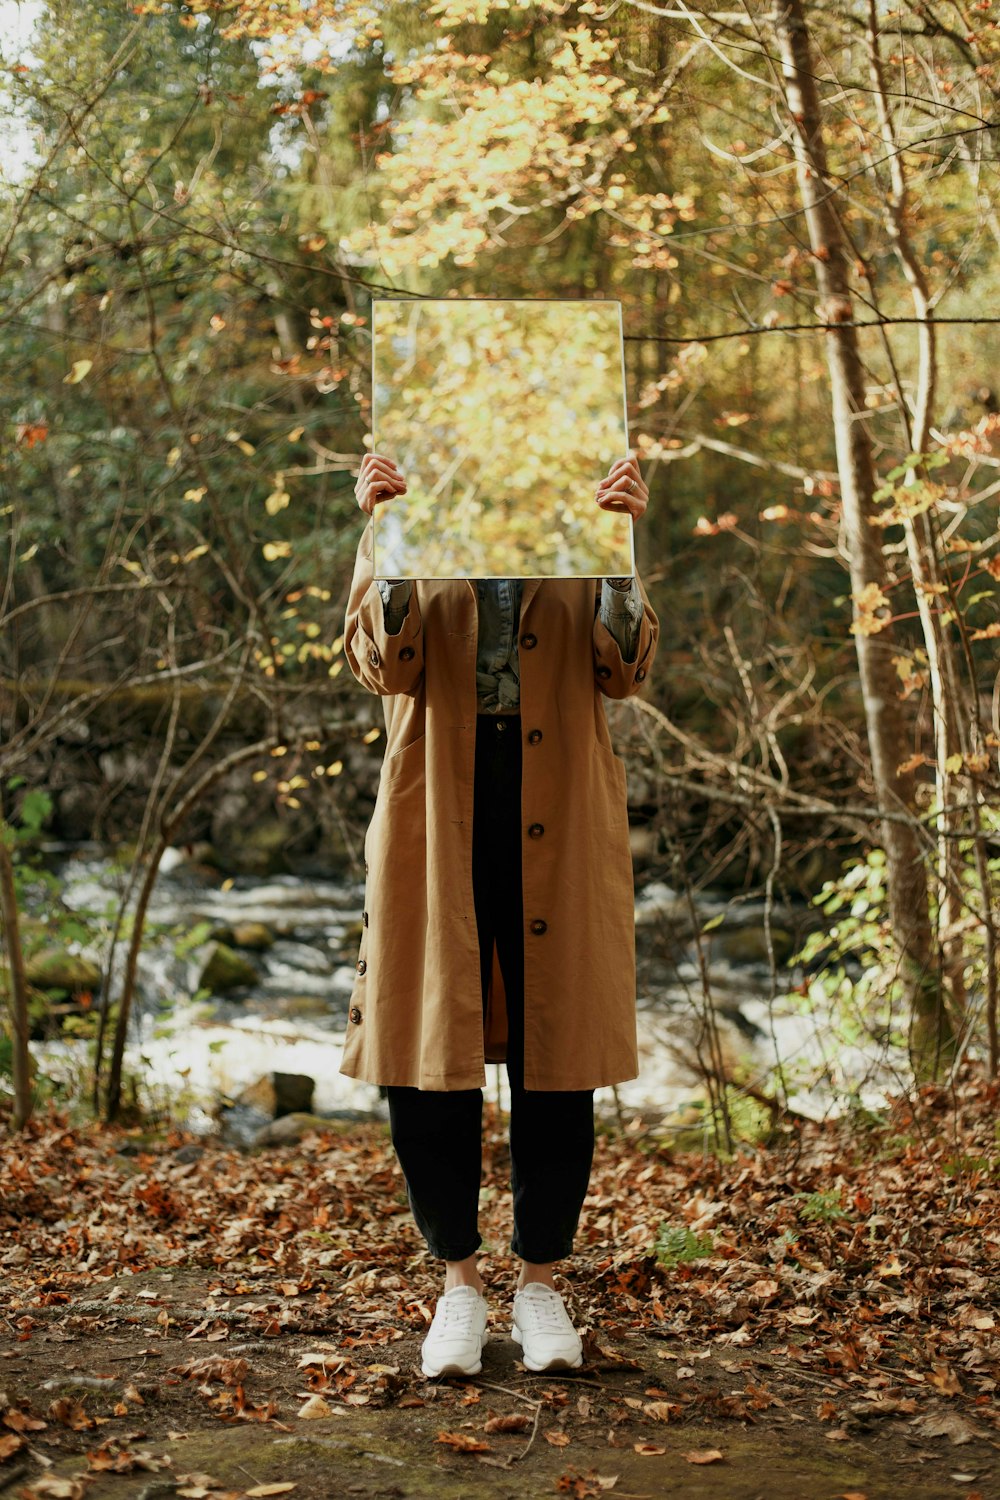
x=378, y=479
x=623, y=489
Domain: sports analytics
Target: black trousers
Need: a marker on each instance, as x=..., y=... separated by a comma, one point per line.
x=438, y=1135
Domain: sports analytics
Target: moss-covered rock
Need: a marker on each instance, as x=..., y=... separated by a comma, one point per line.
x=55, y=968
x=748, y=945
x=279, y=1094
x=256, y=935
x=293, y=1127
x=220, y=968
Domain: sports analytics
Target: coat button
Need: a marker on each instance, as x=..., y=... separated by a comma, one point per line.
x=361, y=966
x=640, y=674
x=538, y=926
x=535, y=831
x=374, y=657
x=501, y=725
x=355, y=1015
x=406, y=654
x=529, y=641
x=364, y=918
x=604, y=671
x=534, y=737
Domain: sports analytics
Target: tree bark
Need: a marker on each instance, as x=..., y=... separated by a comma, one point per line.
x=947, y=696
x=18, y=986
x=931, y=1037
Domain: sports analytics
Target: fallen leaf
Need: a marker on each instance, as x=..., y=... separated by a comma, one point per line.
x=462, y=1442
x=648, y=1450
x=558, y=1439
x=316, y=1406
x=703, y=1456
x=949, y=1424
x=661, y=1411
x=516, y=1422
x=270, y=1489
x=944, y=1379
x=81, y=369
x=22, y=1421
x=50, y=1487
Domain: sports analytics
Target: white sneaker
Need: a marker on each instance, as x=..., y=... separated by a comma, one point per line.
x=454, y=1342
x=543, y=1329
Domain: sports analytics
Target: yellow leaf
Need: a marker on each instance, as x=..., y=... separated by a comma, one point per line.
x=173, y=456
x=81, y=369
x=259, y=776
x=371, y=736
x=953, y=764
x=295, y=434
x=277, y=500
x=275, y=550
x=335, y=769
x=196, y=496
x=316, y=1407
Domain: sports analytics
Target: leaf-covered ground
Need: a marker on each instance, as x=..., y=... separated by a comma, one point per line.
x=821, y=1320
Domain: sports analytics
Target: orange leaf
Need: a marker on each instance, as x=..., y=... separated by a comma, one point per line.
x=704, y=1456
x=648, y=1450
x=516, y=1422
x=462, y=1442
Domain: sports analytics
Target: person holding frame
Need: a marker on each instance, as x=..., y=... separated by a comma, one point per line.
x=499, y=901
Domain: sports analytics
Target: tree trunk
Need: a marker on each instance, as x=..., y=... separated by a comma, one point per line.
x=931, y=1037
x=18, y=986
x=947, y=697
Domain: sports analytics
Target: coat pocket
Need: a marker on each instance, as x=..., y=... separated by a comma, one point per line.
x=408, y=758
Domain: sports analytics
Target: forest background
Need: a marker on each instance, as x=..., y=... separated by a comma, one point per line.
x=797, y=207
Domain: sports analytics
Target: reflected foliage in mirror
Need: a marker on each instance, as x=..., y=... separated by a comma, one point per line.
x=503, y=416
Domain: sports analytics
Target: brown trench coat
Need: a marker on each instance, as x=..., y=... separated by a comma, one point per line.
x=416, y=1015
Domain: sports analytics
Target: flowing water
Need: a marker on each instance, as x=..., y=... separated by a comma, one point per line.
x=192, y=1053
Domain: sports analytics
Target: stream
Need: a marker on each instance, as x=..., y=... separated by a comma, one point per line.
x=191, y=1053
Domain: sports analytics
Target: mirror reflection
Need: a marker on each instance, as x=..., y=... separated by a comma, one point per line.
x=503, y=416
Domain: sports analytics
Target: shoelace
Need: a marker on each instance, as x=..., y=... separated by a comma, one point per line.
x=456, y=1313
x=546, y=1315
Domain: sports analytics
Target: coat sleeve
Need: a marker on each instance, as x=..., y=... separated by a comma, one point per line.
x=381, y=662
x=616, y=677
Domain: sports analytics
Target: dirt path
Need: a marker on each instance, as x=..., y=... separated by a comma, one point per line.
x=808, y=1322
x=104, y=1373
